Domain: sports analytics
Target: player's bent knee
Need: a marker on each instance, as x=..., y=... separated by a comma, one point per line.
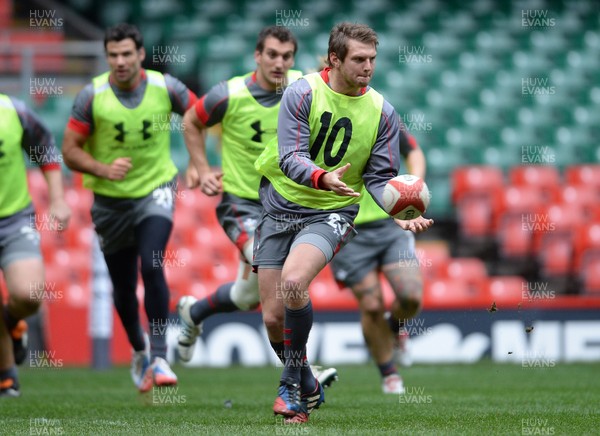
x=410, y=305
x=292, y=288
x=273, y=322
x=370, y=304
x=374, y=311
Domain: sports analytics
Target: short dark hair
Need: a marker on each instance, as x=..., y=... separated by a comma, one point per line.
x=343, y=32
x=123, y=31
x=283, y=34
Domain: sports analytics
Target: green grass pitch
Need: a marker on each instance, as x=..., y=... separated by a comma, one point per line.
x=479, y=399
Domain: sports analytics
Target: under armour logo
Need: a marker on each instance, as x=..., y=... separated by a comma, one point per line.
x=258, y=135
x=145, y=126
x=121, y=129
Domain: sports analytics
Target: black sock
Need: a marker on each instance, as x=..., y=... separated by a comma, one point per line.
x=308, y=382
x=297, y=325
x=11, y=321
x=278, y=348
x=307, y=379
x=122, y=267
x=135, y=335
x=152, y=235
x=387, y=368
x=158, y=346
x=218, y=302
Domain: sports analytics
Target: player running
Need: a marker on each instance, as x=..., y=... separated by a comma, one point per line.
x=381, y=246
x=247, y=108
x=331, y=126
x=20, y=256
x=119, y=137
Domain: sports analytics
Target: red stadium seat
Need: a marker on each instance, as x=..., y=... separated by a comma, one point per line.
x=474, y=192
x=544, y=177
x=199, y=262
x=515, y=239
x=585, y=197
x=469, y=269
x=479, y=179
x=556, y=256
x=80, y=201
x=449, y=293
x=76, y=264
x=583, y=175
x=188, y=200
x=590, y=275
x=211, y=237
x=80, y=237
x=50, y=243
x=519, y=201
x=191, y=271
x=78, y=232
x=203, y=206
x=557, y=218
x=506, y=291
x=185, y=223
x=475, y=216
x=433, y=257
x=587, y=240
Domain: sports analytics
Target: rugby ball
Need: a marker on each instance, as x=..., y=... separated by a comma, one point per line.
x=406, y=197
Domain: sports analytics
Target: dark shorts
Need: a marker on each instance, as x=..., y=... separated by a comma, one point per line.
x=275, y=238
x=19, y=238
x=379, y=243
x=239, y=218
x=116, y=218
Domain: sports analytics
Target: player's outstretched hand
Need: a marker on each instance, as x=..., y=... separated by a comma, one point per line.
x=333, y=181
x=416, y=225
x=119, y=168
x=211, y=184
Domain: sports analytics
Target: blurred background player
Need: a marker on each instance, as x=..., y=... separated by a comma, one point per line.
x=247, y=107
x=119, y=137
x=20, y=256
x=381, y=246
x=334, y=134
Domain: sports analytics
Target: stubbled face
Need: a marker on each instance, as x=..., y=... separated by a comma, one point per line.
x=359, y=65
x=125, y=61
x=274, y=62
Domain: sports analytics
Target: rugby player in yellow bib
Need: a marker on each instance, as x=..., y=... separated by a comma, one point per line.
x=20, y=257
x=334, y=135
x=118, y=136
